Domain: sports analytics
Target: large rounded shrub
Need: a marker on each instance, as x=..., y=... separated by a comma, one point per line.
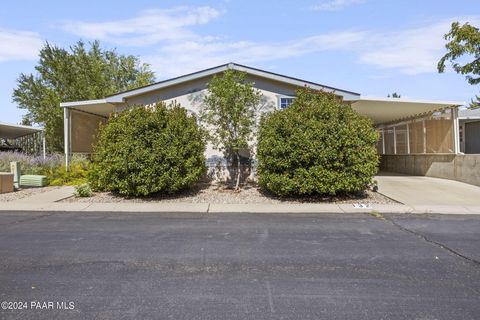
x=145, y=150
x=318, y=145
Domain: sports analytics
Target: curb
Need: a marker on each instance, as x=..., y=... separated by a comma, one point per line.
x=212, y=208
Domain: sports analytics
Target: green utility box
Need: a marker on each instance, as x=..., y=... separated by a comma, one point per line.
x=33, y=181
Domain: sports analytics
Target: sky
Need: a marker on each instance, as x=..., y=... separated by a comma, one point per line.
x=373, y=47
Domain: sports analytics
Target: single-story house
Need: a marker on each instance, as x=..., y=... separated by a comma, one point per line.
x=469, y=130
x=418, y=129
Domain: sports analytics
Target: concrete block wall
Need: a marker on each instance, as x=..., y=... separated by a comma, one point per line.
x=461, y=167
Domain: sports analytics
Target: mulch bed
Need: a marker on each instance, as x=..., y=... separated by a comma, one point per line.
x=218, y=193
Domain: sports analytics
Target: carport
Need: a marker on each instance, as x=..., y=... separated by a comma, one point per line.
x=22, y=138
x=413, y=126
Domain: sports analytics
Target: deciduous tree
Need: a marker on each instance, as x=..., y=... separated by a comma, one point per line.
x=80, y=73
x=229, y=111
x=464, y=54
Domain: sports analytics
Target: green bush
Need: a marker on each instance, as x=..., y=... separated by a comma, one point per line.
x=318, y=145
x=146, y=150
x=52, y=166
x=83, y=190
x=75, y=175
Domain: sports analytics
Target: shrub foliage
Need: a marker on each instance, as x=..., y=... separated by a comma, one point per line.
x=318, y=145
x=83, y=191
x=52, y=166
x=146, y=150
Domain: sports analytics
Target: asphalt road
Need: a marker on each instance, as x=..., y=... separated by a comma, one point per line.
x=239, y=266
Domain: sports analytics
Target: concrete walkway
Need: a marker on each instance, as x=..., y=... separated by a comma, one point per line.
x=416, y=194
x=426, y=192
x=49, y=196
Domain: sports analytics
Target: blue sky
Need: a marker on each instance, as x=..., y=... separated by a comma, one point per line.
x=373, y=47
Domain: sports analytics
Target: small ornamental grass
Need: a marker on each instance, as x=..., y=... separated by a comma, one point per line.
x=147, y=150
x=83, y=190
x=318, y=145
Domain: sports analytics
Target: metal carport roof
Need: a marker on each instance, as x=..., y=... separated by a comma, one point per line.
x=13, y=131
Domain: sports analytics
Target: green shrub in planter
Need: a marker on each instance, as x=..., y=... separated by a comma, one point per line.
x=318, y=145
x=146, y=150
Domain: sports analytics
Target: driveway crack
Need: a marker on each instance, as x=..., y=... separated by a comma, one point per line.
x=437, y=244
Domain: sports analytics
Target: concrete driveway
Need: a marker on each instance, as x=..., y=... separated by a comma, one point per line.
x=416, y=190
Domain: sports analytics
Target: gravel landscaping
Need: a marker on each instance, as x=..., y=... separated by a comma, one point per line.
x=23, y=193
x=214, y=193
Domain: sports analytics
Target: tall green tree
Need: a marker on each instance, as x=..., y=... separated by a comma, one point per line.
x=464, y=54
x=80, y=73
x=228, y=112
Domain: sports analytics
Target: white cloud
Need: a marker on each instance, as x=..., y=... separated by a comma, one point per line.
x=176, y=48
x=183, y=57
x=411, y=51
x=150, y=27
x=335, y=5
x=19, y=45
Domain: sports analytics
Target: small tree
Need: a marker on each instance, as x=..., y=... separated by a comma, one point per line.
x=318, y=145
x=228, y=112
x=463, y=42
x=146, y=150
x=394, y=95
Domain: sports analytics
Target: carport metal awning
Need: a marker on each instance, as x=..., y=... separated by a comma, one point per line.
x=14, y=131
x=99, y=107
x=380, y=110
x=388, y=110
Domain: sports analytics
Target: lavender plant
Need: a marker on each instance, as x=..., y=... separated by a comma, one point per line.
x=53, y=166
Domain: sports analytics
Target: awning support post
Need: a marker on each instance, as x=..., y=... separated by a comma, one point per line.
x=456, y=131
x=44, y=145
x=66, y=135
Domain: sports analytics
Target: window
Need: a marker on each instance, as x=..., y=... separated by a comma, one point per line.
x=285, y=102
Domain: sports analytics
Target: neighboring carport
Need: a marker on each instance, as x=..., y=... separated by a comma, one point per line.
x=469, y=122
x=23, y=138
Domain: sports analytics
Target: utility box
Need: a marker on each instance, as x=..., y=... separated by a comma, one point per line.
x=6, y=182
x=15, y=169
x=33, y=181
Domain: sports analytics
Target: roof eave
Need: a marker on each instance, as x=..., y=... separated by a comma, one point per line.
x=402, y=100
x=118, y=98
x=82, y=103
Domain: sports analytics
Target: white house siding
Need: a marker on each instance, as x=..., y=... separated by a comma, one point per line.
x=190, y=96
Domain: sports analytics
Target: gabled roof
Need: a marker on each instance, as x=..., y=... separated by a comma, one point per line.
x=120, y=97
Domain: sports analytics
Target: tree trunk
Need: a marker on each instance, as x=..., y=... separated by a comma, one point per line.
x=237, y=184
